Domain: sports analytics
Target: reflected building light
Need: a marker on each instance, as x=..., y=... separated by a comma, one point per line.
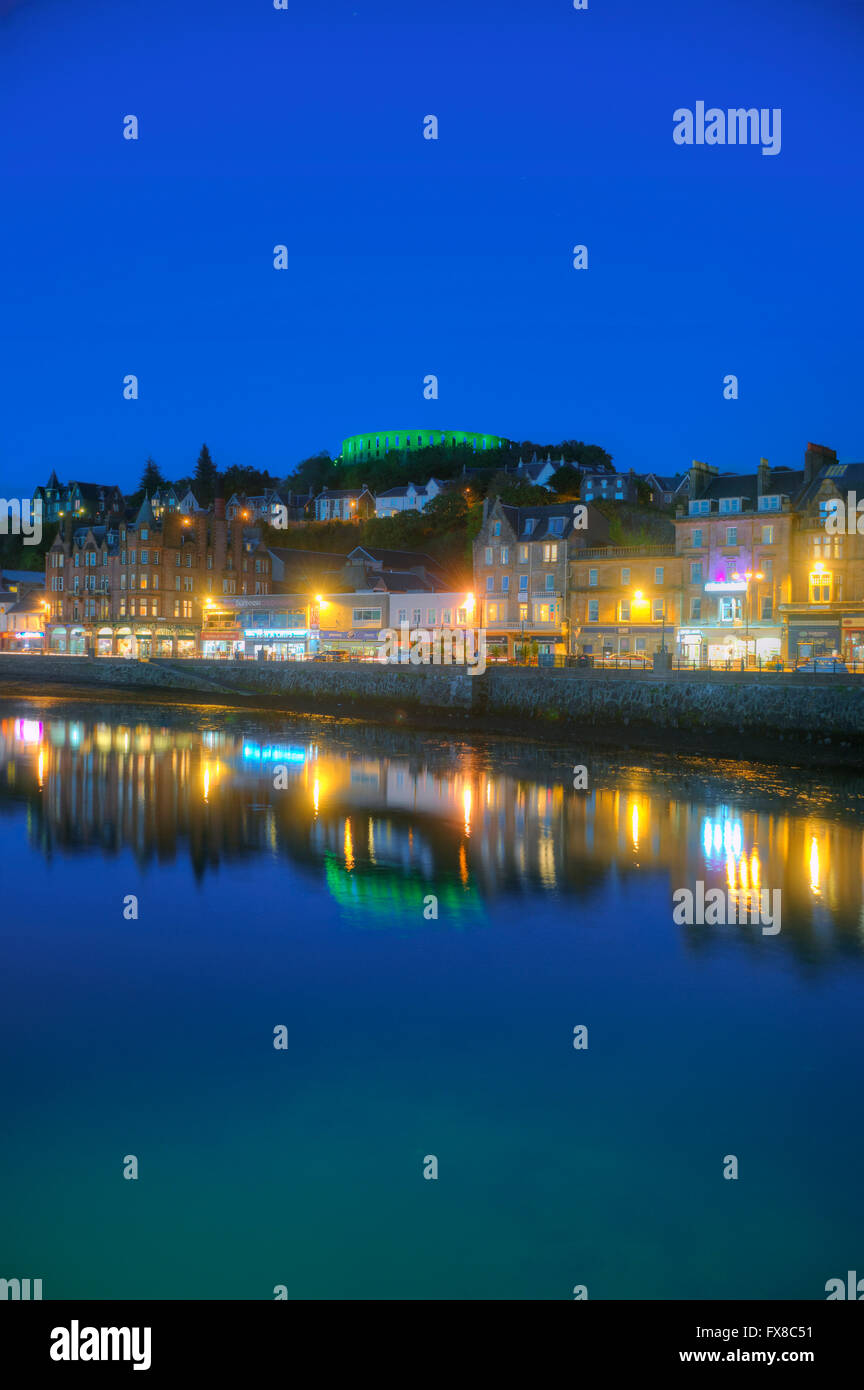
x=371, y=840
x=718, y=837
x=814, y=865
x=349, y=845
x=466, y=804
x=707, y=837
x=41, y=768
x=634, y=825
x=463, y=864
x=730, y=873
x=755, y=869
x=316, y=792
x=206, y=780
x=28, y=731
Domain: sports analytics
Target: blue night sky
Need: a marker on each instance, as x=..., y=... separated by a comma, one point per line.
x=410, y=256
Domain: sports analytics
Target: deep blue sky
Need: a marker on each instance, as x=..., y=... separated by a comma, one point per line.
x=409, y=256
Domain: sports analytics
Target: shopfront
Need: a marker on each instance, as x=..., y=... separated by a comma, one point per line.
x=276, y=643
x=360, y=644
x=813, y=639
x=853, y=638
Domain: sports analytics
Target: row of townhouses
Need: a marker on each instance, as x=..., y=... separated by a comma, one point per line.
x=755, y=571
x=752, y=571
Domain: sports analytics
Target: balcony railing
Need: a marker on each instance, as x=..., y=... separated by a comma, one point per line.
x=612, y=552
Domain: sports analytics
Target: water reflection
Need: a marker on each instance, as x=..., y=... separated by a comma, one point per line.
x=382, y=826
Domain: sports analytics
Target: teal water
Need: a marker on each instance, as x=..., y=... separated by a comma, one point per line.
x=302, y=904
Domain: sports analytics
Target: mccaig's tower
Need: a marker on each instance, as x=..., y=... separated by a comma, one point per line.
x=358, y=448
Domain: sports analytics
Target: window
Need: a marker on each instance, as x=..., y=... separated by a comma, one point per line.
x=145, y=535
x=730, y=504
x=556, y=526
x=415, y=617
x=767, y=566
x=523, y=554
x=550, y=581
x=403, y=615
x=767, y=605
x=701, y=508
x=592, y=579
x=505, y=555
x=492, y=612
x=659, y=610
x=505, y=583
x=229, y=586
x=624, y=610
x=545, y=613
x=639, y=645
x=144, y=556
x=529, y=526
x=767, y=535
x=695, y=571
x=696, y=610
x=430, y=617
x=131, y=557
x=445, y=617
x=625, y=577
x=769, y=504
x=523, y=612
x=658, y=574
x=369, y=615
x=490, y=583
x=550, y=554
x=820, y=586
x=593, y=610
x=188, y=583
x=731, y=535
x=496, y=529
x=487, y=557
x=523, y=583
x=730, y=609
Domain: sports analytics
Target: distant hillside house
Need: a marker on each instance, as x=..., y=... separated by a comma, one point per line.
x=90, y=501
x=410, y=498
x=344, y=504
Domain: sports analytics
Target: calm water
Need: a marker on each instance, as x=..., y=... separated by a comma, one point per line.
x=302, y=906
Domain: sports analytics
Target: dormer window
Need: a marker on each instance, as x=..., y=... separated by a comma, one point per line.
x=769, y=504
x=730, y=504
x=701, y=508
x=529, y=526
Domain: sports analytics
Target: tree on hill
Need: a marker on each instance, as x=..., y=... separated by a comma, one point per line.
x=313, y=473
x=566, y=481
x=515, y=492
x=206, y=477
x=151, y=478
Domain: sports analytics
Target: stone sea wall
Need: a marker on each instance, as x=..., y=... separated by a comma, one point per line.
x=531, y=700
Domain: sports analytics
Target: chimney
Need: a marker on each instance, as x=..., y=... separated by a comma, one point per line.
x=700, y=476
x=763, y=478
x=816, y=457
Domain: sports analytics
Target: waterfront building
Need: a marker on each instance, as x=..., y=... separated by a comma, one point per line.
x=140, y=587
x=625, y=600
x=667, y=489
x=522, y=558
x=22, y=621
x=823, y=612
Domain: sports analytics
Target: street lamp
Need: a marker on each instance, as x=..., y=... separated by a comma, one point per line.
x=747, y=576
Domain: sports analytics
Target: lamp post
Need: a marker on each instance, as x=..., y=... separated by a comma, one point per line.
x=747, y=576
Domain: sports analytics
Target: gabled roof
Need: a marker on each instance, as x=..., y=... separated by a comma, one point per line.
x=840, y=477
x=784, y=481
